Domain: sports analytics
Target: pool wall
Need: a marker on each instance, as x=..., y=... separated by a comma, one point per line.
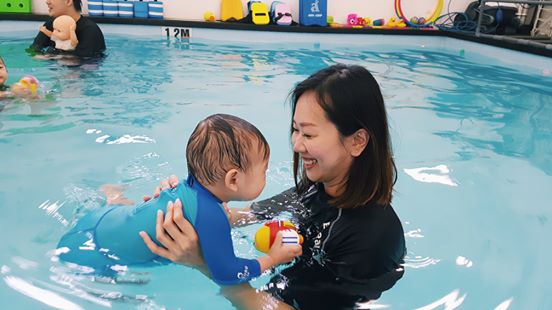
x=472, y=51
x=193, y=9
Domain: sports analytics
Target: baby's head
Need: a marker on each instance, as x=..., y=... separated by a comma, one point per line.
x=229, y=155
x=3, y=72
x=62, y=27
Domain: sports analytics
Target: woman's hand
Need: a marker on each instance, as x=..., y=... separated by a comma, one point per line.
x=227, y=211
x=178, y=237
x=171, y=182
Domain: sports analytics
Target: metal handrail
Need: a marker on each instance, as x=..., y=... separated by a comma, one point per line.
x=482, y=6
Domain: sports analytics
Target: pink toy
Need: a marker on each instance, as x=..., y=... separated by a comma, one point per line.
x=352, y=19
x=282, y=14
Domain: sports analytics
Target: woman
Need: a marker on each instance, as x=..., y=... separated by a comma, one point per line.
x=344, y=174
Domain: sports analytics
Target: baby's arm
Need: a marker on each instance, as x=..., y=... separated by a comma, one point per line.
x=46, y=31
x=5, y=94
x=215, y=238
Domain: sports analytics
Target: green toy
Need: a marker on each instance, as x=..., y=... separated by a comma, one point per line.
x=15, y=6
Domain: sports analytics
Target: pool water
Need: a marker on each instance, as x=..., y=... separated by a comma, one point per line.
x=471, y=136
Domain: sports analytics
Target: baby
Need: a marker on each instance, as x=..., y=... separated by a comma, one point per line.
x=26, y=88
x=227, y=160
x=64, y=33
x=3, y=78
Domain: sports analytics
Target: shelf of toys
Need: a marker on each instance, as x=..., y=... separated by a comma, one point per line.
x=399, y=22
x=314, y=13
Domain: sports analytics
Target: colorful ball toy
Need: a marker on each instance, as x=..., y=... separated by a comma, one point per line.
x=264, y=238
x=26, y=86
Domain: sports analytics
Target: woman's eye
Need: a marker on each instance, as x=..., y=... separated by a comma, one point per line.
x=307, y=136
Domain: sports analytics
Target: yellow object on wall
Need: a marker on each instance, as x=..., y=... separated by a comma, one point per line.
x=231, y=9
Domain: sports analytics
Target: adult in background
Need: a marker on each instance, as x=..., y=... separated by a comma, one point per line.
x=91, y=41
x=344, y=173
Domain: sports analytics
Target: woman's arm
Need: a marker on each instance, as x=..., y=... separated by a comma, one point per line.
x=73, y=36
x=181, y=245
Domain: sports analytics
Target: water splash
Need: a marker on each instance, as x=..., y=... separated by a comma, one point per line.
x=423, y=174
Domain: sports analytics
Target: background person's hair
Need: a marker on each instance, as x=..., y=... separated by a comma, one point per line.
x=351, y=99
x=77, y=4
x=222, y=142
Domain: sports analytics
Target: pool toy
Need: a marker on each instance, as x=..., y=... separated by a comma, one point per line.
x=352, y=19
x=355, y=21
x=378, y=22
x=264, y=238
x=64, y=34
x=393, y=23
x=421, y=22
x=313, y=13
x=259, y=13
x=26, y=86
x=209, y=16
x=231, y=10
x=280, y=13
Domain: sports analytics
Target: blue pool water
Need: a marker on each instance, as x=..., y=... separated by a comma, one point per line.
x=471, y=135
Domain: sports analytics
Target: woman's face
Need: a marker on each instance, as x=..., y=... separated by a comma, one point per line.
x=324, y=153
x=58, y=7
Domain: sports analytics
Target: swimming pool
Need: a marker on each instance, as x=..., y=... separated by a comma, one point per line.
x=470, y=135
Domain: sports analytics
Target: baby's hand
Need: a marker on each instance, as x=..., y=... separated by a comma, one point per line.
x=283, y=253
x=43, y=29
x=19, y=90
x=171, y=182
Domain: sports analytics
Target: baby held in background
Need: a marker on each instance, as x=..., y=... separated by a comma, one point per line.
x=64, y=34
x=227, y=160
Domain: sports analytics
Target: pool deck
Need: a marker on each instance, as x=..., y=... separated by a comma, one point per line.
x=300, y=29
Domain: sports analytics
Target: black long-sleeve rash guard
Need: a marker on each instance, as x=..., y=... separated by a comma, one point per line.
x=89, y=35
x=349, y=255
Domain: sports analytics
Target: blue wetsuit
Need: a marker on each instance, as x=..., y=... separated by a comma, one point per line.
x=109, y=236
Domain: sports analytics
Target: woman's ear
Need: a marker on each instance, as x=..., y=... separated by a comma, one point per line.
x=359, y=142
x=231, y=180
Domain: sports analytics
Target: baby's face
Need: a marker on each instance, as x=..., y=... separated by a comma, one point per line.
x=61, y=32
x=62, y=27
x=255, y=178
x=3, y=73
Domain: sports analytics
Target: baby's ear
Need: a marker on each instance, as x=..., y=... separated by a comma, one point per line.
x=231, y=180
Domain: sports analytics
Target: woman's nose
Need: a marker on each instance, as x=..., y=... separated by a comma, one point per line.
x=298, y=146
